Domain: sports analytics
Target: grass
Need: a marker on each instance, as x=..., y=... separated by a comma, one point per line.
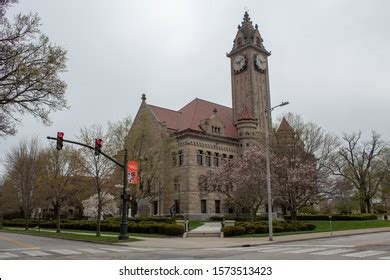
x=80, y=236
x=324, y=226
x=77, y=232
x=194, y=224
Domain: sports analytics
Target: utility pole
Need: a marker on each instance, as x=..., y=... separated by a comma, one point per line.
x=268, y=163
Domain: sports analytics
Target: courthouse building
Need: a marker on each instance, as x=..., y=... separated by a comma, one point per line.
x=206, y=132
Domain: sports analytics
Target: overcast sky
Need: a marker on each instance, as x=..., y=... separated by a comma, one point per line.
x=330, y=59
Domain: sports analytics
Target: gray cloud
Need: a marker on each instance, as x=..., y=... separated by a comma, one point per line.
x=330, y=59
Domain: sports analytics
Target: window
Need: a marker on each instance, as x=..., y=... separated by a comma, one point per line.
x=223, y=155
x=230, y=156
x=155, y=207
x=216, y=160
x=203, y=206
x=199, y=157
x=217, y=206
x=176, y=183
x=177, y=206
x=180, y=157
x=208, y=159
x=174, y=160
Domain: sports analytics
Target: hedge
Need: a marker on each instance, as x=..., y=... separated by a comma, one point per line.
x=262, y=227
x=358, y=217
x=233, y=231
x=134, y=226
x=216, y=219
x=245, y=218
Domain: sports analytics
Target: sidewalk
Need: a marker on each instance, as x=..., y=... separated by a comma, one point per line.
x=214, y=242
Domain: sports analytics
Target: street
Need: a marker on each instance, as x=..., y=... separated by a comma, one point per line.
x=371, y=246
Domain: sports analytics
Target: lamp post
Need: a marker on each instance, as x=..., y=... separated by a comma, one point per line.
x=268, y=163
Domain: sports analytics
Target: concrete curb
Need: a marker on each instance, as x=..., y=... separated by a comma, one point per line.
x=345, y=233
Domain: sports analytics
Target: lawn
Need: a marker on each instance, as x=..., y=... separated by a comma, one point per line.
x=348, y=225
x=194, y=224
x=323, y=226
x=81, y=236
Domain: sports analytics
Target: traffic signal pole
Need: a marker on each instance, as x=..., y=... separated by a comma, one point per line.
x=124, y=223
x=123, y=235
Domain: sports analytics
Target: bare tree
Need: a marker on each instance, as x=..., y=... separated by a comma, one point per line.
x=319, y=143
x=362, y=165
x=30, y=68
x=97, y=167
x=22, y=167
x=57, y=175
x=295, y=178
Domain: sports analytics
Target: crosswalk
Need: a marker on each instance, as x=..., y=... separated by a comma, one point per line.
x=344, y=252
x=334, y=251
x=42, y=253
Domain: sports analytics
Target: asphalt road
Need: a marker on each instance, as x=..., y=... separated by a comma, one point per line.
x=371, y=246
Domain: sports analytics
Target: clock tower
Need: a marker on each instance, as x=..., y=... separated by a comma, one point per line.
x=250, y=82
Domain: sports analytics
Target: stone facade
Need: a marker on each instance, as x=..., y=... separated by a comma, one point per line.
x=205, y=132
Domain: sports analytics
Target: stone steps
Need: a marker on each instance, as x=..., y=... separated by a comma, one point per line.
x=203, y=234
x=211, y=229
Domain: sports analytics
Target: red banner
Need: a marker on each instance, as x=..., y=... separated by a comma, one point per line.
x=132, y=170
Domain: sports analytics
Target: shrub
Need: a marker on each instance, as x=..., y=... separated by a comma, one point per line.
x=216, y=219
x=278, y=226
x=134, y=226
x=179, y=217
x=233, y=231
x=244, y=218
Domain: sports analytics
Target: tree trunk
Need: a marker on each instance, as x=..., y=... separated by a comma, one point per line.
x=254, y=212
x=58, y=216
x=293, y=214
x=363, y=208
x=99, y=214
x=27, y=218
x=368, y=205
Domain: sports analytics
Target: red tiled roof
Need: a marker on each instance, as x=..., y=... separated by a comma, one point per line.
x=285, y=126
x=191, y=115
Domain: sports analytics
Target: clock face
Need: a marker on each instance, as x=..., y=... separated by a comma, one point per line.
x=260, y=63
x=239, y=63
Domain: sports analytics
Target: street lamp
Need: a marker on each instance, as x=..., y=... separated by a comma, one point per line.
x=268, y=163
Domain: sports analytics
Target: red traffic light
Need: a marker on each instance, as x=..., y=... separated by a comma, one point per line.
x=60, y=139
x=98, y=142
x=98, y=146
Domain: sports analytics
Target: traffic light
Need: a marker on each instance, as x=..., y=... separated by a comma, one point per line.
x=60, y=140
x=98, y=146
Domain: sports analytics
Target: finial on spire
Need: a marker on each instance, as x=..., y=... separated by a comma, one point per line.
x=143, y=97
x=246, y=16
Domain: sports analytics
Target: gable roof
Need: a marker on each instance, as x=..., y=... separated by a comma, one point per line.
x=191, y=115
x=285, y=126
